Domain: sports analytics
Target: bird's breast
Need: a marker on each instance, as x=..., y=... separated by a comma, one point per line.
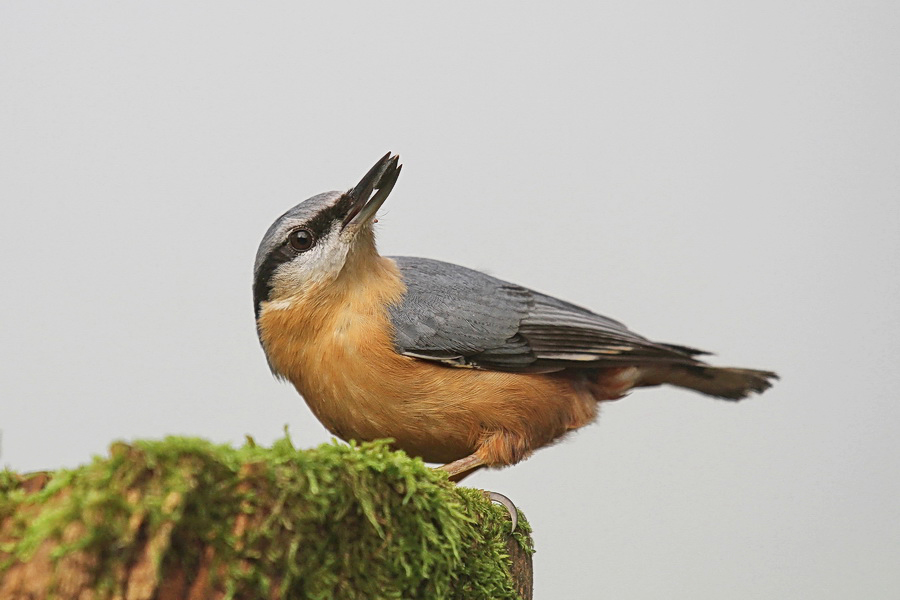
x=337, y=349
x=343, y=363
x=335, y=345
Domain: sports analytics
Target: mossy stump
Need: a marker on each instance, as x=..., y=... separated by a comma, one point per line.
x=186, y=519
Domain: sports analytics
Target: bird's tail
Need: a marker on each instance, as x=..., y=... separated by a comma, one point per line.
x=721, y=382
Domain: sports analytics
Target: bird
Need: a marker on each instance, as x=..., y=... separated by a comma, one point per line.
x=455, y=366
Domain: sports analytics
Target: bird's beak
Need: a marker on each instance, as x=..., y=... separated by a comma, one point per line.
x=364, y=205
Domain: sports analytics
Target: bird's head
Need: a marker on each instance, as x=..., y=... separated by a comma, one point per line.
x=309, y=245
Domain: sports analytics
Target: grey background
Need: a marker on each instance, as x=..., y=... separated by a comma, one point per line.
x=723, y=175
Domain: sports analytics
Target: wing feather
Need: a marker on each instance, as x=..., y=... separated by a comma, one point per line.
x=463, y=317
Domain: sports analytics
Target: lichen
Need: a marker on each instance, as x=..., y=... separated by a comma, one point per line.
x=337, y=521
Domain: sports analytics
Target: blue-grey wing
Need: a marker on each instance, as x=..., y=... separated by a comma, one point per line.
x=463, y=317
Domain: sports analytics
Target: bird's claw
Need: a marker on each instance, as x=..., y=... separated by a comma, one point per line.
x=507, y=503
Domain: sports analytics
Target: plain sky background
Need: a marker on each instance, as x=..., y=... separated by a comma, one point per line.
x=719, y=174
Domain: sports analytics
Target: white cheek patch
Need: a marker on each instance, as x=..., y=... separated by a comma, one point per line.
x=279, y=304
x=322, y=262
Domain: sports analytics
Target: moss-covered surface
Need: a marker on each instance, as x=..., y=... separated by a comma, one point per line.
x=336, y=521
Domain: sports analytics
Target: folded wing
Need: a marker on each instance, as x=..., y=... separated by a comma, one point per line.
x=466, y=318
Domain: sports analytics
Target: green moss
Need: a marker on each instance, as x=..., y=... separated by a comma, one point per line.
x=336, y=521
x=9, y=491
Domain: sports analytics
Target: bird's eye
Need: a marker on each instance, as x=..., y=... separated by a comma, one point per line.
x=301, y=240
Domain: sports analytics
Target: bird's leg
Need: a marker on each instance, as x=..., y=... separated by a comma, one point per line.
x=464, y=466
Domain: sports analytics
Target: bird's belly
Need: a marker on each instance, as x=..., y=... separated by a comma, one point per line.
x=357, y=402
x=442, y=413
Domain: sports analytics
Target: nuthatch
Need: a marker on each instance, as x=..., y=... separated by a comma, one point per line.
x=456, y=366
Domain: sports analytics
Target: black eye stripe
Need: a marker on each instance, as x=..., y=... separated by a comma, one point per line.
x=319, y=226
x=322, y=222
x=262, y=285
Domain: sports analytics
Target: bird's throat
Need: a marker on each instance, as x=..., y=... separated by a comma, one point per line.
x=302, y=332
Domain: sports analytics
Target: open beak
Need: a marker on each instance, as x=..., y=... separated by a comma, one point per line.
x=380, y=179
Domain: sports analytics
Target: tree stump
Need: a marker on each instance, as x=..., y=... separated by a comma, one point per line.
x=185, y=519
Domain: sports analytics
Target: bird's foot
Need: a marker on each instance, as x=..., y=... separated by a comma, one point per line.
x=507, y=503
x=464, y=466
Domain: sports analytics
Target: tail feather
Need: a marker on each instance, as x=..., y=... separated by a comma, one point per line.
x=721, y=382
